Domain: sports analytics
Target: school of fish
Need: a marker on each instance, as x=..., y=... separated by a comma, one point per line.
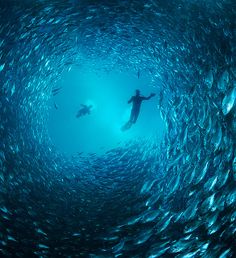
x=140, y=199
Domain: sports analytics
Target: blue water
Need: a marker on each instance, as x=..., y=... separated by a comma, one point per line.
x=108, y=93
x=81, y=187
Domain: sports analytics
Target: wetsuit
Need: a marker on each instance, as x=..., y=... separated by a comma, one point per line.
x=137, y=101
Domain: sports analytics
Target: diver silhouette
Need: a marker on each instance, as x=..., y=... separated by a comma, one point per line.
x=136, y=101
x=85, y=110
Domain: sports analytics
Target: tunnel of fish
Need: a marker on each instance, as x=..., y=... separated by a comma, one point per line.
x=141, y=199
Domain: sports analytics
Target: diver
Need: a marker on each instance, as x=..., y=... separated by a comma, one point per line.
x=136, y=101
x=85, y=110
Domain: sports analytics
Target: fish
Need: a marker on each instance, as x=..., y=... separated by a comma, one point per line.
x=208, y=203
x=209, y=79
x=202, y=172
x=143, y=237
x=55, y=91
x=158, y=250
x=42, y=246
x=229, y=101
x=170, y=194
x=55, y=105
x=147, y=186
x=179, y=246
x=226, y=253
x=164, y=224
x=210, y=184
x=2, y=67
x=191, y=254
x=118, y=248
x=234, y=165
x=150, y=215
x=41, y=232
x=223, y=80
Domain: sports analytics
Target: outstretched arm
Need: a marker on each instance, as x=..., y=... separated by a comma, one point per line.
x=150, y=96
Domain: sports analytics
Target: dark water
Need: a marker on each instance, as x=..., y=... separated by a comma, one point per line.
x=142, y=199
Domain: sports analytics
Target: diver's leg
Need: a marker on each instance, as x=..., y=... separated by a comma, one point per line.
x=135, y=116
x=132, y=115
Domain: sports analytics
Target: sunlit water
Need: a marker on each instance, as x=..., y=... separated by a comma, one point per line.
x=68, y=192
x=108, y=93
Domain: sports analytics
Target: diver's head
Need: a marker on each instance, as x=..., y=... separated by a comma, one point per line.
x=137, y=92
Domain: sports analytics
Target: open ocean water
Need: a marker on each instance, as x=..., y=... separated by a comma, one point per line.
x=149, y=197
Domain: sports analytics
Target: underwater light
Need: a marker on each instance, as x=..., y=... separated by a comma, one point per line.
x=102, y=110
x=163, y=187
